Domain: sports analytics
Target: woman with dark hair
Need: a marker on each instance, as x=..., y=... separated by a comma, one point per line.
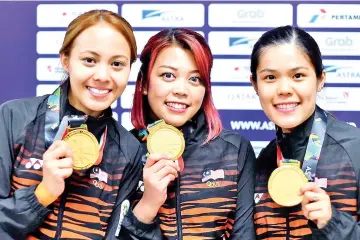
x=307, y=178
x=208, y=194
x=65, y=164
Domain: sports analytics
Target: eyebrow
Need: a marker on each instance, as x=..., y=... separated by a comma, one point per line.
x=96, y=54
x=291, y=70
x=175, y=69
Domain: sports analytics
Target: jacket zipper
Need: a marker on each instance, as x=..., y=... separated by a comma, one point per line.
x=178, y=209
x=61, y=212
x=287, y=226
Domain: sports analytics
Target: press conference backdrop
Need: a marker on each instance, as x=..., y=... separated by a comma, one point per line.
x=31, y=34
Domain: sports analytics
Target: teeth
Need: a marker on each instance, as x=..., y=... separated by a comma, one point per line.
x=98, y=91
x=176, y=105
x=287, y=106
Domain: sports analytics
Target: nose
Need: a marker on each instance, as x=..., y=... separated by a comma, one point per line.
x=101, y=73
x=284, y=87
x=181, y=87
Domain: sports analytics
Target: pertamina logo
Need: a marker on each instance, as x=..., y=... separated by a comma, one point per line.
x=320, y=15
x=325, y=15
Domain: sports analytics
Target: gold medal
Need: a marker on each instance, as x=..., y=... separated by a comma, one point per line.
x=285, y=182
x=84, y=146
x=164, y=138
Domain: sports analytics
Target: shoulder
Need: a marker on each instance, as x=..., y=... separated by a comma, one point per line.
x=22, y=107
x=346, y=136
x=234, y=139
x=129, y=145
x=267, y=156
x=20, y=112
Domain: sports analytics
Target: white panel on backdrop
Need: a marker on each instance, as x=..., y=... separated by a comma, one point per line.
x=142, y=37
x=43, y=89
x=231, y=70
x=250, y=15
x=49, y=42
x=339, y=99
x=342, y=71
x=235, y=98
x=233, y=43
x=328, y=15
x=60, y=15
x=258, y=146
x=164, y=15
x=338, y=43
x=126, y=121
x=126, y=99
x=115, y=116
x=135, y=67
x=49, y=69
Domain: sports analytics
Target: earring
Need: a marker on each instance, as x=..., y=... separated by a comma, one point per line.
x=144, y=92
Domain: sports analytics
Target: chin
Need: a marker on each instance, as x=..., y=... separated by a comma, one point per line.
x=175, y=123
x=288, y=124
x=97, y=107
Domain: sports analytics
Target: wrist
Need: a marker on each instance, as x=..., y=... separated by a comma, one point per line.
x=44, y=196
x=145, y=212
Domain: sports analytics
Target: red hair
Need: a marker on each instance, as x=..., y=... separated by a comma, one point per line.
x=196, y=44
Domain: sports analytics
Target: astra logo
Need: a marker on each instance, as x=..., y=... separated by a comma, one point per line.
x=164, y=15
x=235, y=41
x=252, y=125
x=342, y=72
x=321, y=14
x=333, y=68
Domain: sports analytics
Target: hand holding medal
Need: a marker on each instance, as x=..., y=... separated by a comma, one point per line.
x=58, y=162
x=316, y=204
x=165, y=144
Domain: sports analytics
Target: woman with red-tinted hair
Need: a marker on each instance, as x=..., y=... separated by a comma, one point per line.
x=207, y=193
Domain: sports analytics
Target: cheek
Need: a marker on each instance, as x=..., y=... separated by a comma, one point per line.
x=200, y=95
x=266, y=94
x=158, y=89
x=121, y=78
x=307, y=93
x=79, y=72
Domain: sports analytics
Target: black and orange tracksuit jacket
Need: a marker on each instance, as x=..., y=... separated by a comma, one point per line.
x=212, y=198
x=339, y=169
x=89, y=206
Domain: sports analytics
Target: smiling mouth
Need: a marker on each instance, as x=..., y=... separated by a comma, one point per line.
x=286, y=106
x=98, y=91
x=176, y=105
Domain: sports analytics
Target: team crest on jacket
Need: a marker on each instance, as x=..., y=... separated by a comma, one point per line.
x=211, y=177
